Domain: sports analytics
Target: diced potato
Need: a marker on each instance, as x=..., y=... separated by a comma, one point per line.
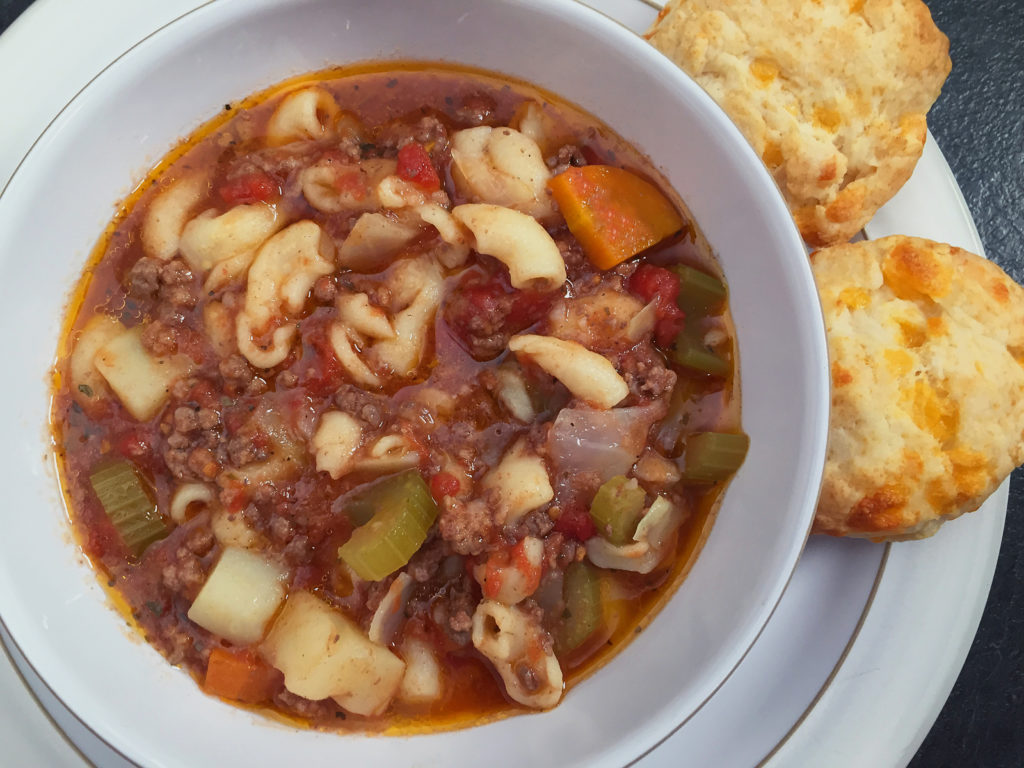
x=86, y=381
x=240, y=596
x=421, y=683
x=324, y=654
x=141, y=381
x=522, y=481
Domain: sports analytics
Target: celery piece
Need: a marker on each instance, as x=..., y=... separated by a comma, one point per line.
x=713, y=456
x=581, y=591
x=616, y=509
x=403, y=513
x=691, y=353
x=128, y=504
x=359, y=504
x=699, y=293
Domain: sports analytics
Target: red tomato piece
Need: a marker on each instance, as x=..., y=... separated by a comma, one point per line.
x=134, y=443
x=653, y=283
x=492, y=297
x=444, y=484
x=575, y=521
x=414, y=165
x=255, y=187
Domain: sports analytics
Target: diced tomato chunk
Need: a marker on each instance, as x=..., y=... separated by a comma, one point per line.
x=653, y=283
x=254, y=187
x=134, y=443
x=319, y=370
x=414, y=165
x=487, y=304
x=444, y=484
x=575, y=521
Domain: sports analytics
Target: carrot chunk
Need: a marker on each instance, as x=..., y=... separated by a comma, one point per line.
x=241, y=676
x=613, y=213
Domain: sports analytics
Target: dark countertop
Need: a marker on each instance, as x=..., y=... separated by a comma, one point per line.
x=979, y=124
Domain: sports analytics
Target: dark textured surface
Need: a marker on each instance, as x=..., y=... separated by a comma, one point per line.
x=979, y=124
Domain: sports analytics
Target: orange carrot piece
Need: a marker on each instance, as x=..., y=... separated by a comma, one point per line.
x=613, y=213
x=242, y=676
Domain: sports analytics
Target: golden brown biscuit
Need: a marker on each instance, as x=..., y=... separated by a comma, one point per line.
x=926, y=343
x=832, y=94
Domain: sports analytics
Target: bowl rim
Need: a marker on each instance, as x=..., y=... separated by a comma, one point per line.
x=821, y=410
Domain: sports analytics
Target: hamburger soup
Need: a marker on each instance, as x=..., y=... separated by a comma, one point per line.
x=397, y=397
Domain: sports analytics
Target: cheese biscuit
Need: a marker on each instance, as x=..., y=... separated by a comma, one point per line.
x=831, y=94
x=926, y=343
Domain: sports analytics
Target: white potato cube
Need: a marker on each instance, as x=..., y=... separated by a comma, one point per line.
x=324, y=654
x=240, y=596
x=142, y=382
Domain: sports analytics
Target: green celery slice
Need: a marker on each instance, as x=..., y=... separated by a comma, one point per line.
x=581, y=591
x=691, y=353
x=616, y=509
x=699, y=293
x=713, y=456
x=128, y=504
x=403, y=513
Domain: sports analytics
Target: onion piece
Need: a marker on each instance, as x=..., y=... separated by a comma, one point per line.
x=606, y=442
x=643, y=322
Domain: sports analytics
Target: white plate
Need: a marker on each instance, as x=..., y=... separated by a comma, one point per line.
x=868, y=639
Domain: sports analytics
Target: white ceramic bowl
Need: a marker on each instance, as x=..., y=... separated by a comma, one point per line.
x=60, y=199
